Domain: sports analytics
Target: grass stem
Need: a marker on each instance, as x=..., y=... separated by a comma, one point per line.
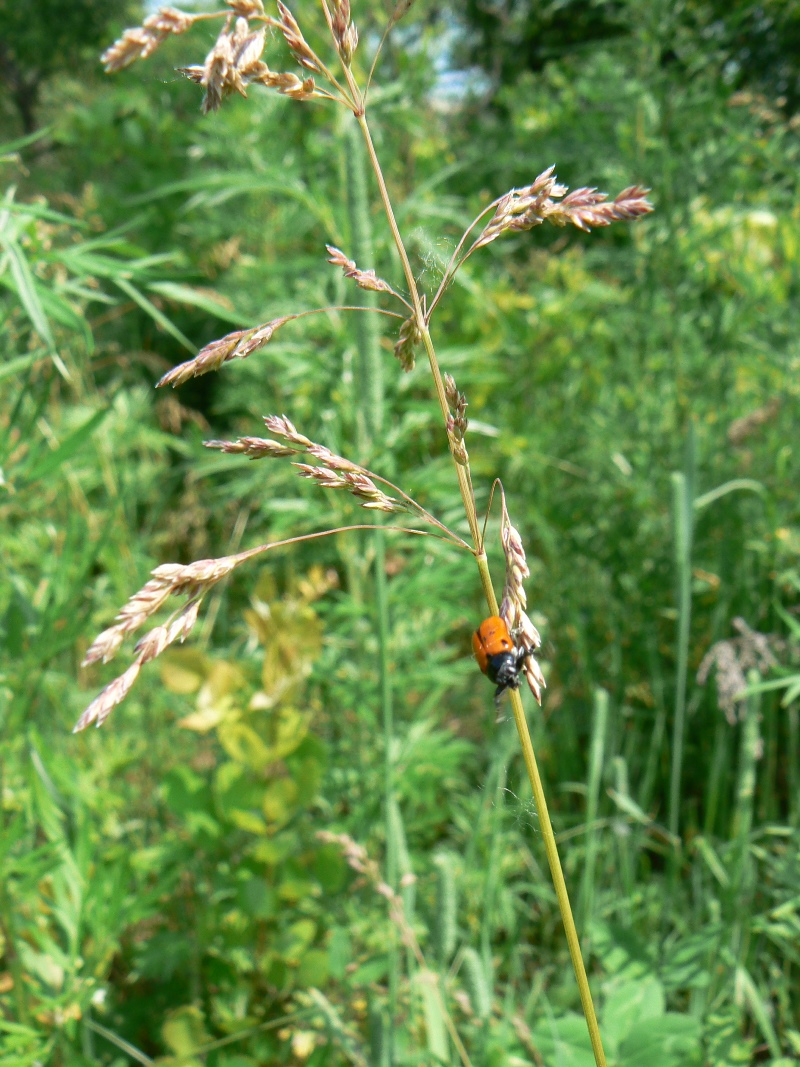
x=528, y=754
x=683, y=497
x=596, y=759
x=370, y=414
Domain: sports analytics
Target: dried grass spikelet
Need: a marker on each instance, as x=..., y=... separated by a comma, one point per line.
x=513, y=607
x=364, y=279
x=298, y=45
x=330, y=472
x=743, y=428
x=359, y=860
x=401, y=8
x=345, y=33
x=731, y=660
x=170, y=579
x=248, y=9
x=232, y=64
x=142, y=41
x=522, y=209
x=237, y=345
x=409, y=337
x=457, y=421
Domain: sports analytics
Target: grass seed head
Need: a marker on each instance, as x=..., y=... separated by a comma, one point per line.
x=364, y=279
x=246, y=8
x=457, y=421
x=409, y=337
x=254, y=447
x=523, y=209
x=298, y=45
x=237, y=345
x=513, y=607
x=142, y=41
x=731, y=660
x=232, y=64
x=345, y=33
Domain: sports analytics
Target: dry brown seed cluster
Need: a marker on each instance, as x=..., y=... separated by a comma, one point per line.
x=170, y=579
x=513, y=607
x=522, y=209
x=333, y=472
x=237, y=345
x=248, y=9
x=345, y=33
x=401, y=8
x=359, y=484
x=731, y=660
x=409, y=337
x=142, y=41
x=364, y=279
x=232, y=64
x=457, y=421
x=254, y=447
x=357, y=857
x=740, y=429
x=298, y=45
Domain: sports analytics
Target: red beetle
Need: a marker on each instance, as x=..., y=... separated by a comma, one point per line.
x=497, y=655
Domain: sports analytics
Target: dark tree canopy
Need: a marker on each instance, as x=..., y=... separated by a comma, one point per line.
x=756, y=44
x=39, y=38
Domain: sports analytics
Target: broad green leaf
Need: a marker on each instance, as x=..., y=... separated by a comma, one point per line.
x=670, y=1040
x=564, y=1042
x=633, y=1002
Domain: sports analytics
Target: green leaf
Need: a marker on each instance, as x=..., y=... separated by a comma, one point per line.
x=25, y=287
x=19, y=364
x=669, y=1041
x=564, y=1042
x=200, y=298
x=435, y=1029
x=732, y=486
x=313, y=969
x=68, y=448
x=157, y=316
x=633, y=1002
x=184, y=1030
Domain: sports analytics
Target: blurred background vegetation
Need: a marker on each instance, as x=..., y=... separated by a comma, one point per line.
x=164, y=896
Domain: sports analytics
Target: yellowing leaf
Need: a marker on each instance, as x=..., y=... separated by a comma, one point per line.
x=280, y=799
x=286, y=729
x=206, y=718
x=183, y=670
x=184, y=1030
x=224, y=679
x=242, y=744
x=248, y=820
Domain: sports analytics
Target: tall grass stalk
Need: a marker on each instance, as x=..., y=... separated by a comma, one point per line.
x=370, y=424
x=793, y=726
x=683, y=518
x=493, y=867
x=749, y=751
x=234, y=63
x=719, y=763
x=528, y=754
x=596, y=758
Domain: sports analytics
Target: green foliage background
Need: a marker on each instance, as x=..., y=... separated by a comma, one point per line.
x=164, y=894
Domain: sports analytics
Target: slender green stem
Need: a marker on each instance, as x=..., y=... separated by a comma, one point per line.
x=596, y=758
x=486, y=581
x=683, y=493
x=794, y=751
x=371, y=404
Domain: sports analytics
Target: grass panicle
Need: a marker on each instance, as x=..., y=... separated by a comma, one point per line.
x=233, y=65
